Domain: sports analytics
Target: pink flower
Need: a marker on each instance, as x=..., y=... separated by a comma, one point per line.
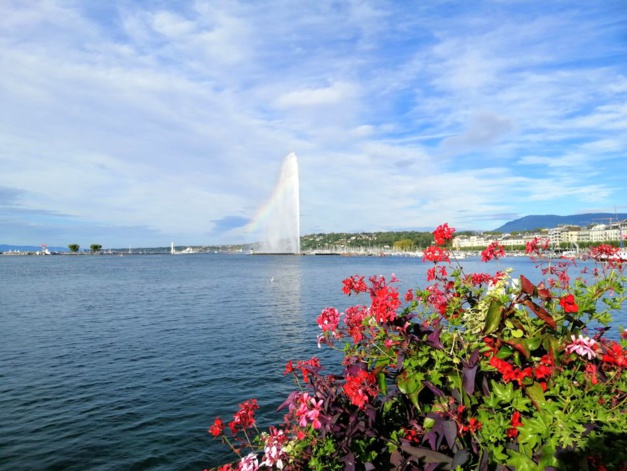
x=314, y=413
x=582, y=346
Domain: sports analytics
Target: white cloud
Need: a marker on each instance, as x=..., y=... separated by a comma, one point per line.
x=173, y=119
x=331, y=95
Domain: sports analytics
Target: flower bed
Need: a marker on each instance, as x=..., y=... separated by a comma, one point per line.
x=473, y=371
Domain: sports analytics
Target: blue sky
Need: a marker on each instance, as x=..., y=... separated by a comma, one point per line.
x=144, y=122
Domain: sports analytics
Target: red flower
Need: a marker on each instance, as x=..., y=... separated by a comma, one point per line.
x=473, y=426
x=509, y=372
x=435, y=254
x=443, y=233
x=513, y=432
x=493, y=251
x=329, y=319
x=245, y=417
x=615, y=355
x=591, y=372
x=354, y=284
x=537, y=245
x=436, y=272
x=568, y=303
x=354, y=320
x=217, y=428
x=308, y=367
x=603, y=252
x=359, y=387
x=385, y=302
x=542, y=371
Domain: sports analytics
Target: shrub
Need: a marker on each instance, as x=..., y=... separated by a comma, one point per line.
x=473, y=371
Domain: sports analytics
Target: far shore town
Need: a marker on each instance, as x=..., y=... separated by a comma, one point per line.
x=563, y=240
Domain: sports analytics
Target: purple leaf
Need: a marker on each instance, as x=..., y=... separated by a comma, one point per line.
x=450, y=432
x=433, y=339
x=429, y=456
x=468, y=379
x=349, y=461
x=460, y=458
x=290, y=400
x=433, y=389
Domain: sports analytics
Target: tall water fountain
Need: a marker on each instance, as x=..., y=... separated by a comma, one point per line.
x=281, y=233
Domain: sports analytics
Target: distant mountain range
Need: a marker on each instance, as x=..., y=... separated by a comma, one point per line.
x=529, y=223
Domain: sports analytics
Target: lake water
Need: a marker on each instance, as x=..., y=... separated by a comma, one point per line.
x=122, y=362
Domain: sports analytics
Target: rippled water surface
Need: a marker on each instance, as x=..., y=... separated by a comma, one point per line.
x=121, y=363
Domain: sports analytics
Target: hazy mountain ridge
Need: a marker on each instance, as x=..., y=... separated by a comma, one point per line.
x=548, y=221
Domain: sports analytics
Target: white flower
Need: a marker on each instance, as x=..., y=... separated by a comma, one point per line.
x=249, y=463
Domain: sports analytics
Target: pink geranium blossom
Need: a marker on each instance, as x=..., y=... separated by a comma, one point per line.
x=582, y=346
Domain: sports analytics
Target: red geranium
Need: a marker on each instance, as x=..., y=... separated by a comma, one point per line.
x=513, y=432
x=443, y=233
x=492, y=251
x=568, y=303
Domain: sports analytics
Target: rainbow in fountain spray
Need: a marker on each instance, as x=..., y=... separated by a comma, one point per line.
x=278, y=219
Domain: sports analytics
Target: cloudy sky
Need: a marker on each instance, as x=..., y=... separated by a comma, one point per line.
x=127, y=122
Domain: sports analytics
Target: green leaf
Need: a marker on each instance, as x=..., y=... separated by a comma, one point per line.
x=383, y=386
x=505, y=352
x=536, y=394
x=408, y=383
x=493, y=318
x=504, y=392
x=521, y=462
x=497, y=453
x=534, y=343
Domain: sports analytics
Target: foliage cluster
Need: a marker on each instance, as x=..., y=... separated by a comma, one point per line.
x=473, y=371
x=365, y=239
